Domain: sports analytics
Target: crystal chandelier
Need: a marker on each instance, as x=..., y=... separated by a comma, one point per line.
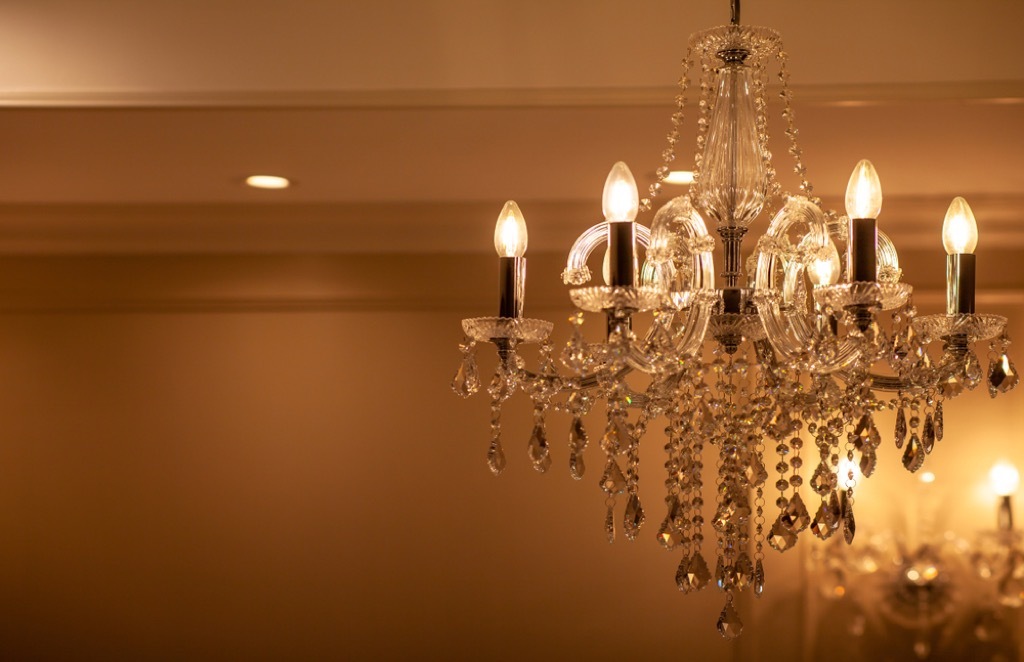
x=783, y=361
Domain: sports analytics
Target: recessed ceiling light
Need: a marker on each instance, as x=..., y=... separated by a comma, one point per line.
x=267, y=181
x=681, y=177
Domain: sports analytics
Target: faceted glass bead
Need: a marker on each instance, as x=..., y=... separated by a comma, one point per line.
x=795, y=515
x=938, y=421
x=950, y=387
x=697, y=572
x=758, y=578
x=467, y=380
x=780, y=537
x=901, y=427
x=821, y=481
x=613, y=481
x=633, y=518
x=729, y=624
x=913, y=456
x=496, y=458
x=609, y=524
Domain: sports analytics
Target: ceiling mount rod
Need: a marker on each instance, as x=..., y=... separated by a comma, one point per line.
x=735, y=12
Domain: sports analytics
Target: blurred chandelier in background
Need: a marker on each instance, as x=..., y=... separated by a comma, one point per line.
x=795, y=343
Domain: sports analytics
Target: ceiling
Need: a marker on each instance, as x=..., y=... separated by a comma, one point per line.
x=130, y=126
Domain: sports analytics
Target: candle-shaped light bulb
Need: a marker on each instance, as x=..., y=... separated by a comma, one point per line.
x=1004, y=478
x=620, y=201
x=824, y=270
x=864, y=192
x=959, y=230
x=510, y=231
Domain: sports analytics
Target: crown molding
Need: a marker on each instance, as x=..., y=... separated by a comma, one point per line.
x=1006, y=91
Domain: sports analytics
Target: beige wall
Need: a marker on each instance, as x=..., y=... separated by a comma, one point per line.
x=260, y=457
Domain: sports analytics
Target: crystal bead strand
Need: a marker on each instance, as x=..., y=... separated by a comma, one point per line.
x=669, y=155
x=791, y=131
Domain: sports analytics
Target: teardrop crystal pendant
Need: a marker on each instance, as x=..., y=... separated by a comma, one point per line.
x=913, y=456
x=780, y=537
x=822, y=525
x=729, y=624
x=697, y=572
x=576, y=466
x=467, y=379
x=609, y=523
x=613, y=481
x=683, y=575
x=496, y=458
x=938, y=421
x=1002, y=376
x=732, y=186
x=795, y=515
x=901, y=427
x=577, y=435
x=538, y=449
x=821, y=481
x=633, y=518
x=849, y=523
x=928, y=434
x=758, y=578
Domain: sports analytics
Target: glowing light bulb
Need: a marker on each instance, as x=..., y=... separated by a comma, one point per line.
x=1004, y=478
x=620, y=201
x=959, y=229
x=825, y=271
x=510, y=231
x=928, y=477
x=864, y=192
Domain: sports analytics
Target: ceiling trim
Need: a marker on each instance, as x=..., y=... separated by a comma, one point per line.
x=1007, y=91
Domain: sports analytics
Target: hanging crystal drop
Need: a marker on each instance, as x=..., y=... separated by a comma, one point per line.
x=576, y=466
x=928, y=434
x=633, y=518
x=577, y=435
x=821, y=481
x=667, y=534
x=537, y=449
x=901, y=427
x=868, y=462
x=697, y=572
x=496, y=458
x=972, y=370
x=758, y=578
x=613, y=481
x=913, y=456
x=1002, y=376
x=683, y=575
x=720, y=573
x=744, y=571
x=609, y=523
x=849, y=523
x=574, y=356
x=780, y=537
x=617, y=437
x=467, y=379
x=754, y=471
x=823, y=525
x=729, y=624
x=795, y=515
x=938, y=421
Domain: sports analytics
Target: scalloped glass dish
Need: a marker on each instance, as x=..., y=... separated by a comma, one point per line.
x=884, y=295
x=486, y=329
x=598, y=299
x=974, y=327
